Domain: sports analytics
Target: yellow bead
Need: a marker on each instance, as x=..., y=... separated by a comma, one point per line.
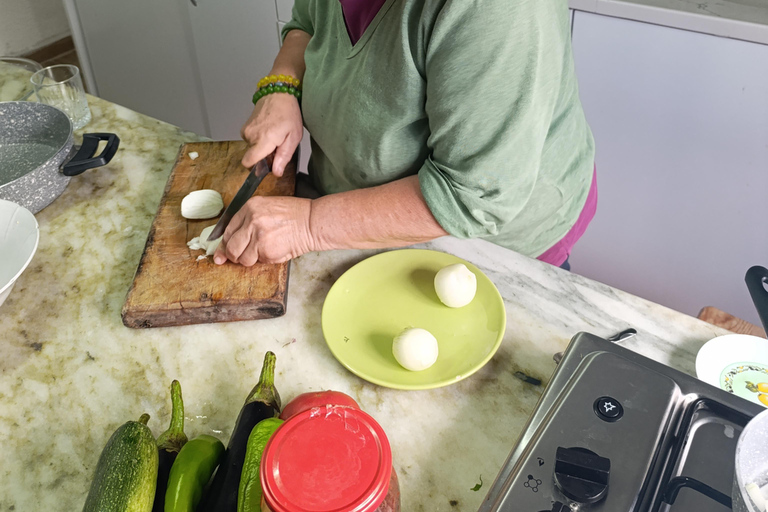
x=281, y=78
x=272, y=78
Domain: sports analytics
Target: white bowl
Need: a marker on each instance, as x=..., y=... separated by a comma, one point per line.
x=737, y=363
x=19, y=235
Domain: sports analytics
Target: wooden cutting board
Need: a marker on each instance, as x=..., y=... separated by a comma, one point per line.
x=171, y=287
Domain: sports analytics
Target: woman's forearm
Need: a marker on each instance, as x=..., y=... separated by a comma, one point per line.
x=290, y=58
x=390, y=215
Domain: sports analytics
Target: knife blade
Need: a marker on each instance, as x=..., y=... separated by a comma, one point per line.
x=251, y=183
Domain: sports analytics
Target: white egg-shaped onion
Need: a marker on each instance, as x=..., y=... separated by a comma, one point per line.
x=455, y=285
x=415, y=349
x=201, y=204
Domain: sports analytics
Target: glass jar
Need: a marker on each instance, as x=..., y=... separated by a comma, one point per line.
x=329, y=459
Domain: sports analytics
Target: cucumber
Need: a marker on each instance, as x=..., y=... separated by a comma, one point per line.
x=126, y=474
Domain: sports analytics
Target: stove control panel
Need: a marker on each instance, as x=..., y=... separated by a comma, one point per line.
x=591, y=442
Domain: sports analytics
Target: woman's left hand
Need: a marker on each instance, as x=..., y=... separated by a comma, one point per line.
x=267, y=230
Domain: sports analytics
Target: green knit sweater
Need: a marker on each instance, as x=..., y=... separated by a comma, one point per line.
x=477, y=97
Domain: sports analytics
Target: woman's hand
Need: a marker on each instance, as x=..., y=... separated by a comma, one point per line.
x=267, y=230
x=274, y=125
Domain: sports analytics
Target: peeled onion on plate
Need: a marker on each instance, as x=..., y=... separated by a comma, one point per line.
x=455, y=285
x=415, y=349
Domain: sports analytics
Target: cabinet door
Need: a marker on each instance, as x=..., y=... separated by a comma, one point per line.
x=681, y=125
x=284, y=8
x=236, y=44
x=140, y=57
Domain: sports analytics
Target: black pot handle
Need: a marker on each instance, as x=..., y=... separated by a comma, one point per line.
x=680, y=482
x=84, y=159
x=755, y=278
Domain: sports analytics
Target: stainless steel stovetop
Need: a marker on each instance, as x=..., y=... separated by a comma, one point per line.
x=617, y=432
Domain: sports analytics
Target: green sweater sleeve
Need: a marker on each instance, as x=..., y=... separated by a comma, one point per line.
x=492, y=72
x=301, y=18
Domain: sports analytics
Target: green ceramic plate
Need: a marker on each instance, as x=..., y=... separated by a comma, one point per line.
x=375, y=300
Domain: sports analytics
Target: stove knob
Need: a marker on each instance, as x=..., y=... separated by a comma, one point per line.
x=581, y=475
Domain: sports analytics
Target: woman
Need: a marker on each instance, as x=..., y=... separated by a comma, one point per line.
x=428, y=118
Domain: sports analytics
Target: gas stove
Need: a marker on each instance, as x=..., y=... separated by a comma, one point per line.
x=617, y=432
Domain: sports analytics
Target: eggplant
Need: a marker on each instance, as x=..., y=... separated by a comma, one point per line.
x=263, y=402
x=169, y=444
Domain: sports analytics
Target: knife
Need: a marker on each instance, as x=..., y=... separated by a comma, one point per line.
x=255, y=176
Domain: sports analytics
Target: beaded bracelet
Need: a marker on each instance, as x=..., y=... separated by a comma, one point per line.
x=277, y=83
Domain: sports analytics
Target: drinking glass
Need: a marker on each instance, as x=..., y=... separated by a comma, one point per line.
x=14, y=78
x=62, y=87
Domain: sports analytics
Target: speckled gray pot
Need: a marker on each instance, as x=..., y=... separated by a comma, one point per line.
x=37, y=153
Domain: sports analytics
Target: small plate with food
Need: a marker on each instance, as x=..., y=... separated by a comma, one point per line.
x=413, y=319
x=737, y=363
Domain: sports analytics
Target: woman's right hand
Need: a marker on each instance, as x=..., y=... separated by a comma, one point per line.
x=274, y=125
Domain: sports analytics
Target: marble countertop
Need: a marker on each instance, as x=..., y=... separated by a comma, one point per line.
x=70, y=372
x=737, y=19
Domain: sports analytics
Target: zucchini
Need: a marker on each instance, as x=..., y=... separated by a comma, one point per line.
x=126, y=473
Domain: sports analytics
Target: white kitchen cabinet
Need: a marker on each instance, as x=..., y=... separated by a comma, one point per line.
x=235, y=44
x=681, y=125
x=192, y=63
x=284, y=8
x=137, y=54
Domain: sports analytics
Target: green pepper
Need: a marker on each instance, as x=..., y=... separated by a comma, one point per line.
x=249, y=493
x=190, y=473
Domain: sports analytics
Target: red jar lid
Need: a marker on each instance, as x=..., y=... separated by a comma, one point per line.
x=327, y=459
